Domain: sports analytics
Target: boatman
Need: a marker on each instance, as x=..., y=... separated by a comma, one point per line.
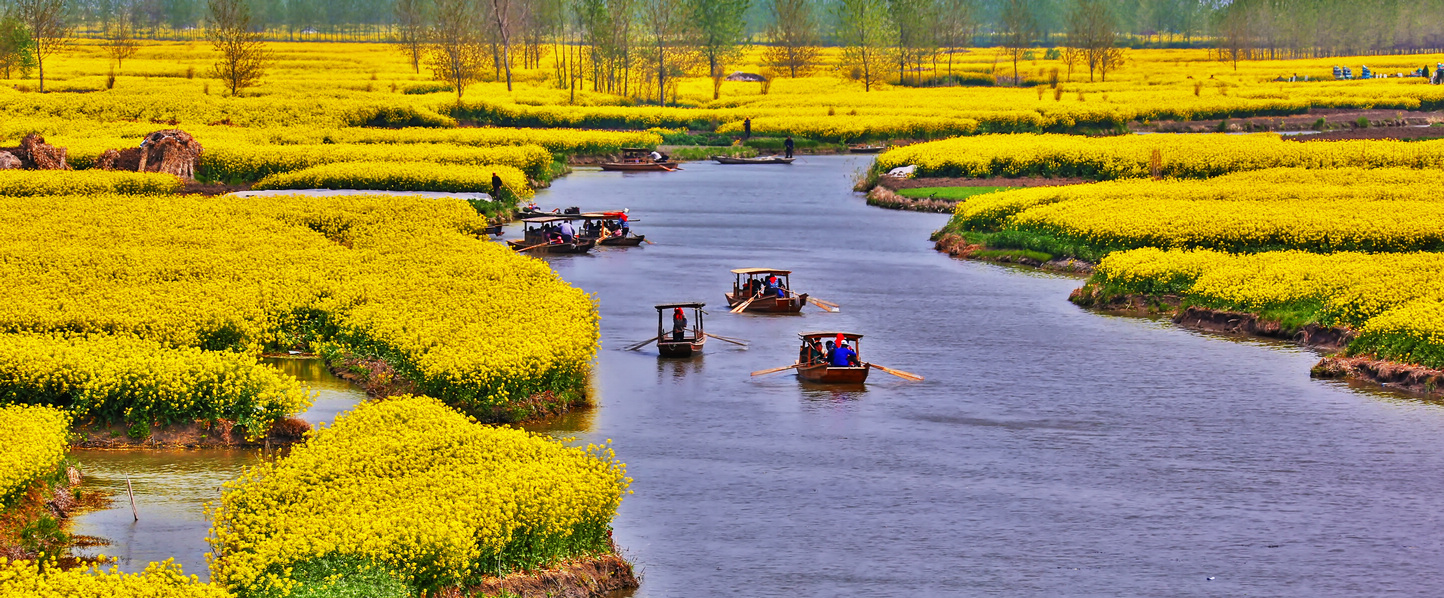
x=747, y=128
x=679, y=323
x=788, y=145
x=843, y=356
x=566, y=231
x=496, y=186
x=626, y=226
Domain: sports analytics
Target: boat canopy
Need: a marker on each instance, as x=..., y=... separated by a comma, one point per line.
x=760, y=271
x=694, y=304
x=846, y=335
x=546, y=219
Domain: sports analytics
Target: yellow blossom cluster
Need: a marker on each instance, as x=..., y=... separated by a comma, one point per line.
x=26, y=579
x=1390, y=209
x=414, y=486
x=250, y=162
x=400, y=176
x=144, y=382
x=406, y=279
x=70, y=182
x=35, y=440
x=1394, y=301
x=1130, y=156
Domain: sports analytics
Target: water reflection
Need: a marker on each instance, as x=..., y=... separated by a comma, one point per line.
x=334, y=396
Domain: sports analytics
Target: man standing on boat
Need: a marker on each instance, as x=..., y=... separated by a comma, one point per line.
x=626, y=226
x=568, y=233
x=679, y=323
x=789, y=145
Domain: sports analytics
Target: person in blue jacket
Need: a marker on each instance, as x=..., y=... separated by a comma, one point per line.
x=843, y=356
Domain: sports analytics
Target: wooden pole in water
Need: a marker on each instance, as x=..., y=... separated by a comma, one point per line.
x=131, y=490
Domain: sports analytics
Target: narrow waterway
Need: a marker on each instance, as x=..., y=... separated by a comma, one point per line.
x=1051, y=451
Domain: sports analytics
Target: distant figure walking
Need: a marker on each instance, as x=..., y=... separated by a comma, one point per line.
x=789, y=145
x=747, y=128
x=497, y=187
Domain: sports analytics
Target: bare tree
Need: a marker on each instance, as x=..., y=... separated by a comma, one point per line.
x=50, y=25
x=505, y=14
x=912, y=34
x=1091, y=30
x=243, y=55
x=412, y=18
x=863, y=30
x=956, y=22
x=456, y=52
x=793, y=35
x=120, y=41
x=1019, y=29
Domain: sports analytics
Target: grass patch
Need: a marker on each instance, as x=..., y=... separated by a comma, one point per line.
x=706, y=152
x=1014, y=254
x=948, y=193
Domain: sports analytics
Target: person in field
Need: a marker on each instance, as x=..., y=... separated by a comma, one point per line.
x=679, y=323
x=497, y=186
x=747, y=128
x=789, y=145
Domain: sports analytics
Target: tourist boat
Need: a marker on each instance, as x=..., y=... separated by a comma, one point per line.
x=612, y=220
x=690, y=341
x=758, y=160
x=812, y=365
x=494, y=229
x=747, y=285
x=635, y=159
x=535, y=233
x=865, y=149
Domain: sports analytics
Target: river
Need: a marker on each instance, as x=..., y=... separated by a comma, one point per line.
x=1051, y=451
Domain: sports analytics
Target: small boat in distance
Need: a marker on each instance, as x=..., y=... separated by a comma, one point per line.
x=812, y=364
x=757, y=160
x=680, y=343
x=637, y=159
x=863, y=148
x=750, y=292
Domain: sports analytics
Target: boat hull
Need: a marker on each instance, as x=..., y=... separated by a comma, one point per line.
x=865, y=150
x=578, y=247
x=685, y=348
x=825, y=374
x=637, y=167
x=727, y=160
x=777, y=305
x=623, y=241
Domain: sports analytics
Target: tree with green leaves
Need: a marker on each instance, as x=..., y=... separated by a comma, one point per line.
x=954, y=25
x=912, y=35
x=17, y=51
x=50, y=25
x=669, y=43
x=1019, y=29
x=793, y=37
x=864, y=31
x=456, y=52
x=720, y=28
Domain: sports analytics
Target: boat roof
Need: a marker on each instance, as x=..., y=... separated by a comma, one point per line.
x=635, y=149
x=760, y=271
x=847, y=335
x=608, y=215
x=696, y=304
x=545, y=219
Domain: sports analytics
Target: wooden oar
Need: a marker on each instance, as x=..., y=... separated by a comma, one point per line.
x=725, y=339
x=824, y=305
x=743, y=306
x=774, y=370
x=899, y=373
x=534, y=247
x=643, y=343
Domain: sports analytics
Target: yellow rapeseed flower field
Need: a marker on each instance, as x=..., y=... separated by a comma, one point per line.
x=25, y=579
x=36, y=438
x=60, y=182
x=418, y=488
x=400, y=176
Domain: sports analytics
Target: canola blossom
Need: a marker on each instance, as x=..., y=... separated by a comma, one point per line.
x=17, y=183
x=405, y=279
x=142, y=382
x=1395, y=302
x=1129, y=156
x=247, y=162
x=400, y=176
x=1345, y=209
x=36, y=438
x=26, y=579
x=409, y=484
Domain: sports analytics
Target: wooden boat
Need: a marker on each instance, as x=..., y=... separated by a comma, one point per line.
x=593, y=222
x=812, y=365
x=747, y=283
x=539, y=235
x=494, y=229
x=683, y=343
x=758, y=160
x=635, y=159
x=865, y=149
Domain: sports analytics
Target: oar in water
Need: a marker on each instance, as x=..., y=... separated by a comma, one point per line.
x=727, y=340
x=534, y=247
x=743, y=306
x=899, y=373
x=773, y=370
x=643, y=343
x=824, y=304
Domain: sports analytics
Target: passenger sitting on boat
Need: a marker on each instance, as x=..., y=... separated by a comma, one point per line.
x=679, y=323
x=566, y=231
x=831, y=348
x=657, y=156
x=843, y=356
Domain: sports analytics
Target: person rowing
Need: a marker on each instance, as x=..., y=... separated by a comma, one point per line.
x=568, y=233
x=679, y=324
